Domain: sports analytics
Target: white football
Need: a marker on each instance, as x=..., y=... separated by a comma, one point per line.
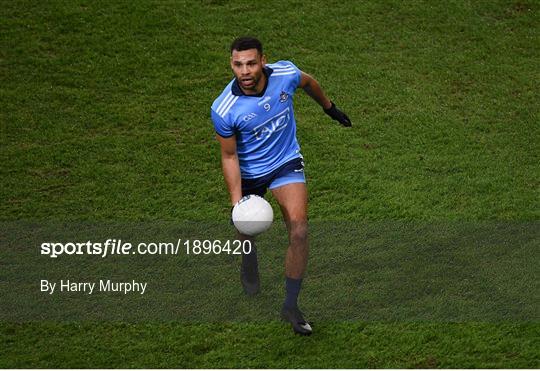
x=252, y=215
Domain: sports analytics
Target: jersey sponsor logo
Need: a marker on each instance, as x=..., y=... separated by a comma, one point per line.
x=283, y=96
x=276, y=123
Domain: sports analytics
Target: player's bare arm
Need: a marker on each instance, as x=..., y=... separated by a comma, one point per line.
x=231, y=167
x=314, y=90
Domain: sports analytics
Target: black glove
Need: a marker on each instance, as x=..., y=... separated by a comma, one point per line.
x=337, y=115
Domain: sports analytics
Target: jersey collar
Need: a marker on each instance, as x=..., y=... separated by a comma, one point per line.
x=237, y=91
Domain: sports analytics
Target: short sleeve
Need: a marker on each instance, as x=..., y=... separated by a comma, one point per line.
x=221, y=127
x=296, y=77
x=289, y=72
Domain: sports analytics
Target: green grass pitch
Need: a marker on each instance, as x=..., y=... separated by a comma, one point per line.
x=105, y=117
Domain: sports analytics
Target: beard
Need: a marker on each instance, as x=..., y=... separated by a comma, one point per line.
x=249, y=83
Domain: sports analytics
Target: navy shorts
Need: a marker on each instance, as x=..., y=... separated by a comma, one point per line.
x=290, y=172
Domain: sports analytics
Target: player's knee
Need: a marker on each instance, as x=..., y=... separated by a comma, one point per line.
x=299, y=233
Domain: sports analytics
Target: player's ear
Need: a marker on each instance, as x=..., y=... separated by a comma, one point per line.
x=263, y=60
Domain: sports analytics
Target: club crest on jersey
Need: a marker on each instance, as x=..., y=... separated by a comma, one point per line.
x=283, y=96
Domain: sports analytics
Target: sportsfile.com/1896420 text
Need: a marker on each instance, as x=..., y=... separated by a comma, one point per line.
x=120, y=247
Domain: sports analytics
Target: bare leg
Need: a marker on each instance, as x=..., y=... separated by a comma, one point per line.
x=292, y=199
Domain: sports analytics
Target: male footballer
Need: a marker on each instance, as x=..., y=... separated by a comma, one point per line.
x=254, y=121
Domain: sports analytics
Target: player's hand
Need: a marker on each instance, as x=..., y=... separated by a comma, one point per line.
x=337, y=115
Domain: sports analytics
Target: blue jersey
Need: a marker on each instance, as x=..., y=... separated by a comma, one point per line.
x=263, y=124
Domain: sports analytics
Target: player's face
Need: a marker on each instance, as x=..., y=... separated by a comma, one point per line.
x=247, y=66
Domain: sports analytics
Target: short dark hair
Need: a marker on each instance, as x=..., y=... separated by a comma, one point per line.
x=246, y=43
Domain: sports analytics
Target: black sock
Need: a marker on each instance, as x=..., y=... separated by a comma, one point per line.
x=249, y=261
x=292, y=289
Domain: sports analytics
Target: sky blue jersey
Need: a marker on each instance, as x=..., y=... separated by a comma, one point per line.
x=264, y=124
